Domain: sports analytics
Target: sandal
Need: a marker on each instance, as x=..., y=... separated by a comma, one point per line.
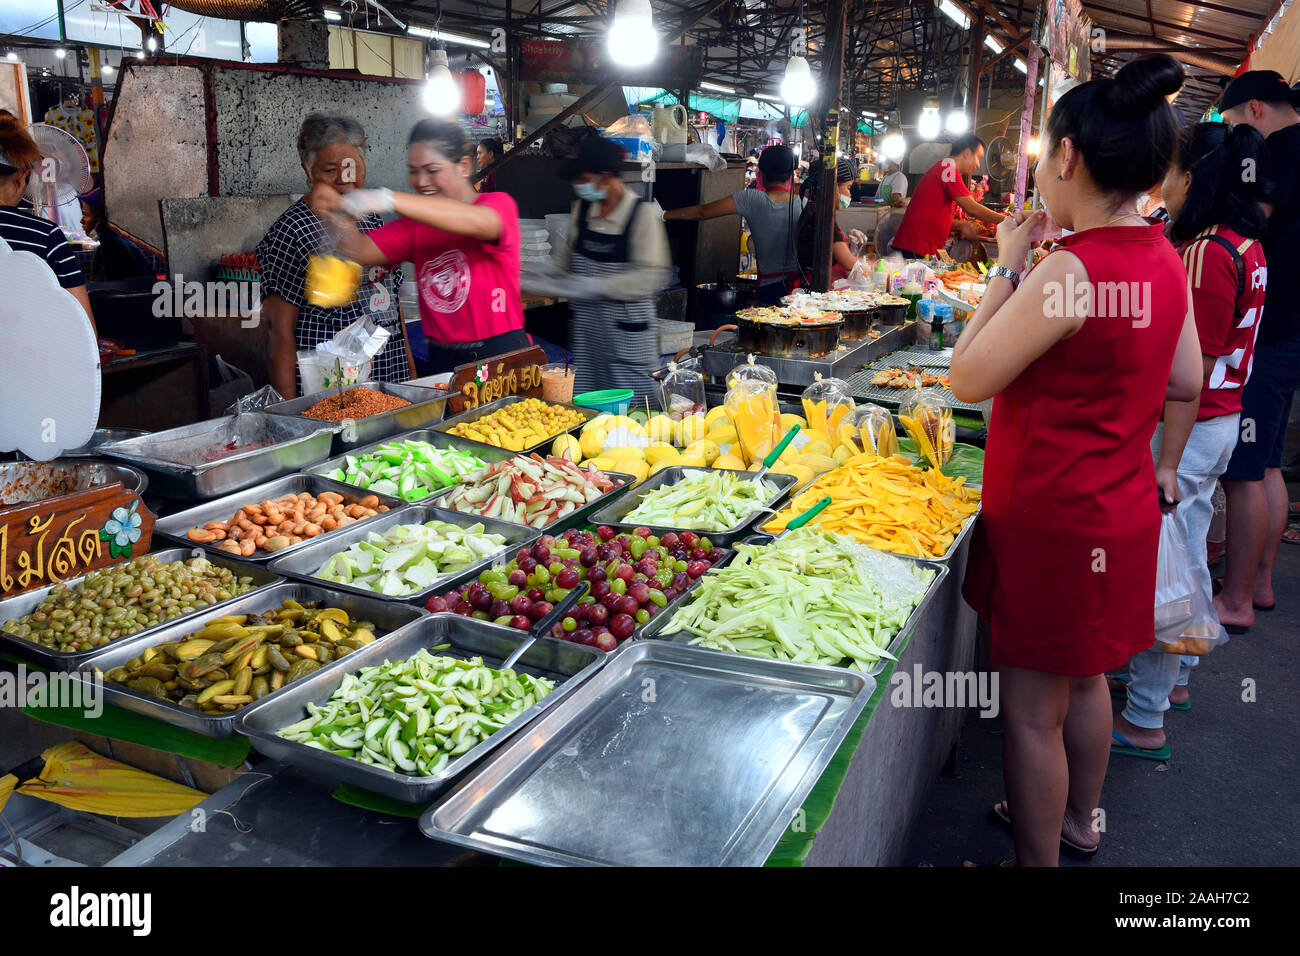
x=1293, y=530
x=1001, y=812
x=1124, y=748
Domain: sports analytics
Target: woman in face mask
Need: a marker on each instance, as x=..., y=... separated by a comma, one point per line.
x=611, y=269
x=842, y=259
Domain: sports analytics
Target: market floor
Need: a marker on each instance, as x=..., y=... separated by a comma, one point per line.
x=1227, y=797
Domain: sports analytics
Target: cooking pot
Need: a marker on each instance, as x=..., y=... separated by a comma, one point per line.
x=789, y=341
x=716, y=303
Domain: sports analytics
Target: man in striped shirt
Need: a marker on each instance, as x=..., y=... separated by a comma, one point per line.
x=23, y=231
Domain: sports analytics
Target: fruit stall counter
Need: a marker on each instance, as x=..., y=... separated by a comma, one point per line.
x=859, y=813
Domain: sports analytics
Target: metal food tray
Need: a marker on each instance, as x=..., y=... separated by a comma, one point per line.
x=487, y=453
x=175, y=527
x=615, y=514
x=920, y=355
x=305, y=561
x=388, y=617
x=20, y=605
x=581, y=515
x=427, y=406
x=670, y=756
x=167, y=455
x=569, y=665
x=656, y=629
x=474, y=414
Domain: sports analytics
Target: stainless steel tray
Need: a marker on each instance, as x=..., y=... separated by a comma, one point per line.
x=21, y=605
x=175, y=527
x=582, y=515
x=474, y=414
x=25, y=482
x=173, y=457
x=387, y=617
x=615, y=514
x=306, y=560
x=656, y=627
x=427, y=406
x=921, y=355
x=569, y=665
x=487, y=453
x=669, y=756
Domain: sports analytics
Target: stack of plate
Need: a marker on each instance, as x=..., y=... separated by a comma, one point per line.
x=535, y=245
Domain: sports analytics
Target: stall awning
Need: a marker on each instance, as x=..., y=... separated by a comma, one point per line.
x=728, y=110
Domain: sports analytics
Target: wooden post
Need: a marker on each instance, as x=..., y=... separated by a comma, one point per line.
x=976, y=51
x=827, y=103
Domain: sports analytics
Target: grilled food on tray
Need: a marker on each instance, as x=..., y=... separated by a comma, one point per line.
x=787, y=315
x=895, y=377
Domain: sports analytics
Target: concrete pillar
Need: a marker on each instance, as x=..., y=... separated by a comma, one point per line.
x=304, y=43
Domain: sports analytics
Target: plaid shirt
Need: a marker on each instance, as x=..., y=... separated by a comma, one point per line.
x=282, y=258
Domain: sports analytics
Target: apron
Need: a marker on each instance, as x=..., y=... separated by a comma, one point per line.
x=615, y=344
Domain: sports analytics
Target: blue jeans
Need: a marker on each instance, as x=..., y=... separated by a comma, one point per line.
x=1154, y=673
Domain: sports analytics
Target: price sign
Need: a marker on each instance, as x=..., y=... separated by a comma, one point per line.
x=514, y=373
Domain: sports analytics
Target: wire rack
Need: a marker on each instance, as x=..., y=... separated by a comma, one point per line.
x=861, y=388
x=918, y=355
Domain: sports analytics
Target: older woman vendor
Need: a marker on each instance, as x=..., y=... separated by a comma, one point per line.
x=333, y=153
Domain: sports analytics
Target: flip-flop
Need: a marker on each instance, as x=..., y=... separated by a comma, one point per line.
x=1294, y=528
x=1066, y=842
x=1236, y=628
x=1263, y=607
x=1185, y=705
x=1124, y=748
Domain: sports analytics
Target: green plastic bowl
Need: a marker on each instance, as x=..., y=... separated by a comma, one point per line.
x=613, y=401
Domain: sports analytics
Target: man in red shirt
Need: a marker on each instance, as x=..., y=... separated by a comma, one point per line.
x=928, y=219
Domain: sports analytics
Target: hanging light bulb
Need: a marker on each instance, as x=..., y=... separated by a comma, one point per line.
x=151, y=43
x=632, y=40
x=798, y=87
x=958, y=123
x=441, y=94
x=929, y=123
x=60, y=53
x=893, y=146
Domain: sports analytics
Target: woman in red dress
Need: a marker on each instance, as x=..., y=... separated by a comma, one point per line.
x=1081, y=357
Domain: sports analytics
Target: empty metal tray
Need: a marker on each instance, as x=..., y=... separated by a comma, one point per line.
x=669, y=756
x=566, y=664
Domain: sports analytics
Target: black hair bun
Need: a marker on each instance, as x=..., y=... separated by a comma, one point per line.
x=1144, y=84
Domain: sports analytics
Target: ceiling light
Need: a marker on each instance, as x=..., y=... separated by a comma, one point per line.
x=706, y=85
x=441, y=94
x=993, y=44
x=1020, y=65
x=632, y=40
x=457, y=39
x=953, y=14
x=797, y=88
x=767, y=96
x=893, y=146
x=927, y=126
x=333, y=15
x=151, y=43
x=11, y=55
x=958, y=123
x=106, y=68
x=60, y=53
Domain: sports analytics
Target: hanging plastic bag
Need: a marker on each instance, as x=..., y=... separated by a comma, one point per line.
x=1185, y=619
x=682, y=392
x=928, y=419
x=332, y=280
x=825, y=403
x=255, y=401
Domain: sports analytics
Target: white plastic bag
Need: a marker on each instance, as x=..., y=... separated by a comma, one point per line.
x=1185, y=620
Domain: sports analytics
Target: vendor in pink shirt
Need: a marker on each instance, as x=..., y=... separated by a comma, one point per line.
x=464, y=246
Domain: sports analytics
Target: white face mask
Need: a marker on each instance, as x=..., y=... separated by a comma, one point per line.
x=845, y=201
x=589, y=192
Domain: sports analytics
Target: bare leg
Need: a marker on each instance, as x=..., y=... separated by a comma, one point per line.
x=1278, y=504
x=1087, y=751
x=1248, y=527
x=1034, y=765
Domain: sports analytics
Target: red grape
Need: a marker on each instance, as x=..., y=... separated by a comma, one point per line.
x=716, y=555
x=583, y=635
x=557, y=631
x=596, y=575
x=540, y=609
x=668, y=540
x=681, y=580
x=465, y=608
x=625, y=572
x=587, y=557
x=696, y=568
x=600, y=589
x=520, y=604
x=698, y=554
x=536, y=594
x=689, y=538
x=436, y=604
x=606, y=642
x=642, y=532
x=541, y=553
x=611, y=602
x=500, y=609
x=605, y=532
x=527, y=564
x=480, y=600
x=627, y=605
x=548, y=540
x=521, y=622
x=670, y=593
x=567, y=578
x=639, y=592
x=597, y=613
x=622, y=626
x=518, y=578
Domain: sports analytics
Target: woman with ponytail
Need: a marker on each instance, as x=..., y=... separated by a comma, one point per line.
x=1212, y=192
x=1080, y=357
x=20, y=228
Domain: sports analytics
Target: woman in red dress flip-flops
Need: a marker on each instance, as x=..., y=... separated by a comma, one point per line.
x=1081, y=357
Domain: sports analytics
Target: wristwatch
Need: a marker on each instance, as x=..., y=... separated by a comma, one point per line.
x=1006, y=274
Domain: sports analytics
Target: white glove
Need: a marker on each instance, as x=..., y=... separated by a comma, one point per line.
x=358, y=203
